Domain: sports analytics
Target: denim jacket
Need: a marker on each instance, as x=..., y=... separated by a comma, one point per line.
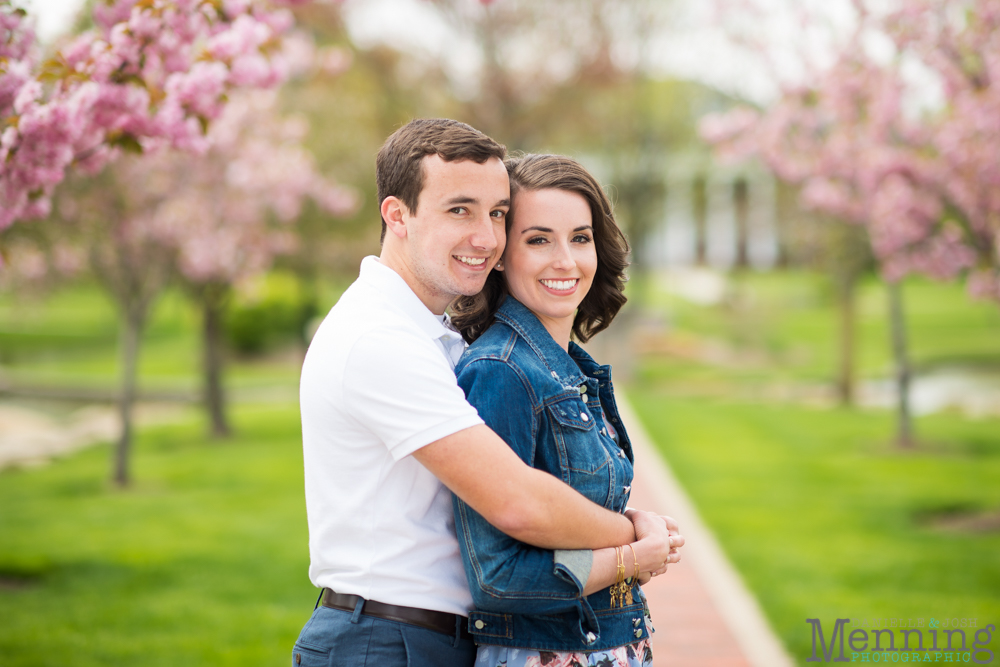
x=553, y=409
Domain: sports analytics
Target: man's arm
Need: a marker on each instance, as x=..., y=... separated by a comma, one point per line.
x=528, y=504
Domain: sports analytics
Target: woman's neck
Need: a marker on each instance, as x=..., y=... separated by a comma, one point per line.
x=560, y=329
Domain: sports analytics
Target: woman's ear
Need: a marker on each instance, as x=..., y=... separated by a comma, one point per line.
x=499, y=266
x=394, y=213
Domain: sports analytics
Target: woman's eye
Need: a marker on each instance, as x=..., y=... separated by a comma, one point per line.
x=581, y=238
x=536, y=240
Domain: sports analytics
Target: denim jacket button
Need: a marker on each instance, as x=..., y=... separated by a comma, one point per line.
x=636, y=622
x=591, y=638
x=626, y=488
x=583, y=389
x=584, y=417
x=638, y=632
x=480, y=625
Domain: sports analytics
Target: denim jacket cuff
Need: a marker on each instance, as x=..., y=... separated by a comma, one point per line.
x=574, y=565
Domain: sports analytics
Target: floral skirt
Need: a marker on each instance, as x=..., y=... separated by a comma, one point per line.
x=639, y=654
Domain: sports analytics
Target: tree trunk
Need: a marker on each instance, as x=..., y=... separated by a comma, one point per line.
x=846, y=375
x=897, y=323
x=785, y=205
x=699, y=209
x=132, y=325
x=741, y=215
x=213, y=301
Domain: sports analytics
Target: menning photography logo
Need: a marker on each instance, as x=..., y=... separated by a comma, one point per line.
x=903, y=640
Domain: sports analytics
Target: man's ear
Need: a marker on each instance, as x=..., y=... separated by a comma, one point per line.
x=395, y=213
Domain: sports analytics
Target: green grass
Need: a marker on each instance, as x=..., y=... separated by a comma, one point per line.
x=825, y=520
x=70, y=339
x=789, y=320
x=203, y=562
x=822, y=516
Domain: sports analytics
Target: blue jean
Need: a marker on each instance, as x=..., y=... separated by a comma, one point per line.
x=333, y=637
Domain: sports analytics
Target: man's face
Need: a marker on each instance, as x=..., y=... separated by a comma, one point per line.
x=457, y=234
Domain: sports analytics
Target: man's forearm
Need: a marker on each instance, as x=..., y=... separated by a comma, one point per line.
x=556, y=516
x=529, y=505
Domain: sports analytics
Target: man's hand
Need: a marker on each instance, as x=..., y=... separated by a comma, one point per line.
x=662, y=534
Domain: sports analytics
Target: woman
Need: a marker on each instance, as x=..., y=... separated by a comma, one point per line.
x=561, y=274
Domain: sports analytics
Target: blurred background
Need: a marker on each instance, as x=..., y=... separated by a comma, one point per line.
x=832, y=410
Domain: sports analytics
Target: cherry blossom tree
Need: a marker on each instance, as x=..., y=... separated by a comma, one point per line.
x=221, y=216
x=149, y=78
x=922, y=178
x=208, y=221
x=150, y=72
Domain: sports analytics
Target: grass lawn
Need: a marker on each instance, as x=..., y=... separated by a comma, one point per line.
x=203, y=562
x=815, y=508
x=824, y=520
x=788, y=323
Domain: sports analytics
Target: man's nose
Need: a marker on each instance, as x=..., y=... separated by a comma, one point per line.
x=486, y=234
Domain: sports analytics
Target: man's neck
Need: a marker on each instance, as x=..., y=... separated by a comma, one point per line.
x=435, y=303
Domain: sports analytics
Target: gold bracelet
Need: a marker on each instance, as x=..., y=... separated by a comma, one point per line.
x=635, y=577
x=617, y=592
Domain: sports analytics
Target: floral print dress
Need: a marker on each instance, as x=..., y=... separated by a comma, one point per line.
x=639, y=654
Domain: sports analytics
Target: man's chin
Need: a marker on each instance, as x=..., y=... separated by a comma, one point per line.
x=472, y=289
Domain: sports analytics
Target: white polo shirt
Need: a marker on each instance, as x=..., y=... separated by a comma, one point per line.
x=378, y=384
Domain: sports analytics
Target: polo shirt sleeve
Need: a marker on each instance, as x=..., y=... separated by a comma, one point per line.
x=398, y=384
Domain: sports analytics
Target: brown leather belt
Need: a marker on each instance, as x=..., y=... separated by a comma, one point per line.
x=438, y=621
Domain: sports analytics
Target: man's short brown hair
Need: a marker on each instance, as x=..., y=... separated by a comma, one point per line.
x=398, y=166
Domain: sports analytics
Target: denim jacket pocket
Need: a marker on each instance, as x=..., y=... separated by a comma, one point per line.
x=585, y=462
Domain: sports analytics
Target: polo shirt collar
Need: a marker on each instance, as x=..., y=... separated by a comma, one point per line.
x=398, y=293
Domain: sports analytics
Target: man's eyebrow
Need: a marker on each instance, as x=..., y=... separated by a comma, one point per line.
x=461, y=199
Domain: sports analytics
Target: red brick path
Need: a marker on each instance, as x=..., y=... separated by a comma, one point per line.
x=703, y=614
x=689, y=630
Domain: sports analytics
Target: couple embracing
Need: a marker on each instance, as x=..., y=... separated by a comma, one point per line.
x=466, y=498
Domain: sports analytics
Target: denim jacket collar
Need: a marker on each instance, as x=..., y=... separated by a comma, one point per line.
x=562, y=366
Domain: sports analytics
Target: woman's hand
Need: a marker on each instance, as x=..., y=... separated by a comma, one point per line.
x=676, y=539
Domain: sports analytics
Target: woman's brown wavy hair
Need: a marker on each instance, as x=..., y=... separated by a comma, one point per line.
x=472, y=315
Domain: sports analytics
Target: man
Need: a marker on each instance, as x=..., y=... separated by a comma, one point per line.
x=387, y=431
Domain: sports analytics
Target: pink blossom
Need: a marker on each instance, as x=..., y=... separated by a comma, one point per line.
x=146, y=74
x=927, y=186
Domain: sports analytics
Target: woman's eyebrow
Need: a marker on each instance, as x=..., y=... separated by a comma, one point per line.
x=582, y=228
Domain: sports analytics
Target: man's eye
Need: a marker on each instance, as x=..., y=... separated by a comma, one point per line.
x=500, y=215
x=458, y=210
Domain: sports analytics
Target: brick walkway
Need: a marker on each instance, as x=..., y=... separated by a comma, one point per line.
x=703, y=614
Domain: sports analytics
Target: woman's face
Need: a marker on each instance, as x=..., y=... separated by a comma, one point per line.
x=550, y=258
